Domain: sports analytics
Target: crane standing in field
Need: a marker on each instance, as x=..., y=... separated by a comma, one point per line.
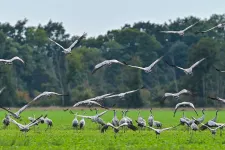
x=153, y=122
x=115, y=121
x=6, y=120
x=140, y=121
x=75, y=122
x=150, y=119
x=48, y=122
x=82, y=122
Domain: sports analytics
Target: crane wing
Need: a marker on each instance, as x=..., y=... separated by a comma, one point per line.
x=156, y=61
x=198, y=62
x=102, y=113
x=209, y=29
x=184, y=91
x=169, y=32
x=7, y=110
x=164, y=129
x=17, y=58
x=190, y=26
x=152, y=128
x=56, y=43
x=21, y=109
x=16, y=123
x=100, y=65
x=39, y=96
x=88, y=117
x=75, y=43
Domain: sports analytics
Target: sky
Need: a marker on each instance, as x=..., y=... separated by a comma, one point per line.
x=98, y=16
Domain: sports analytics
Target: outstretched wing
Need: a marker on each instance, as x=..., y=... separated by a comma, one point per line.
x=174, y=65
x=21, y=109
x=176, y=107
x=136, y=67
x=102, y=113
x=39, y=96
x=2, y=89
x=208, y=29
x=34, y=121
x=166, y=128
x=59, y=94
x=75, y=43
x=17, y=58
x=96, y=103
x=7, y=110
x=184, y=91
x=129, y=92
x=218, y=69
x=213, y=98
x=169, y=32
x=152, y=128
x=217, y=99
x=189, y=27
x=198, y=62
x=132, y=127
x=88, y=117
x=219, y=127
x=79, y=103
x=100, y=65
x=111, y=96
x=56, y=43
x=16, y=123
x=156, y=61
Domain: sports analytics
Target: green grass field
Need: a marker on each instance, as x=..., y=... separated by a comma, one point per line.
x=63, y=136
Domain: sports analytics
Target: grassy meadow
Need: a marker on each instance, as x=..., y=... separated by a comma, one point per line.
x=63, y=136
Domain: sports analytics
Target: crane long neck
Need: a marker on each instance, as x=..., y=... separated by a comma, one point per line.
x=114, y=113
x=125, y=113
x=216, y=114
x=151, y=112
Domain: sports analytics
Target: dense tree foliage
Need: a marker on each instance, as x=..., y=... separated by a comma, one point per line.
x=48, y=69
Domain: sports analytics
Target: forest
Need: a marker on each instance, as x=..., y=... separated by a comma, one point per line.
x=46, y=68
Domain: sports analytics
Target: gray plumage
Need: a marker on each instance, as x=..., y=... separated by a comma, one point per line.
x=25, y=128
x=115, y=121
x=82, y=122
x=140, y=121
x=215, y=118
x=149, y=68
x=106, y=63
x=6, y=120
x=150, y=119
x=201, y=119
x=75, y=122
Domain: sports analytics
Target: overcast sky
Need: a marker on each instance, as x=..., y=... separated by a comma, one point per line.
x=97, y=16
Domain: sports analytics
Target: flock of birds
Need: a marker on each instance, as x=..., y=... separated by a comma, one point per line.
x=125, y=122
